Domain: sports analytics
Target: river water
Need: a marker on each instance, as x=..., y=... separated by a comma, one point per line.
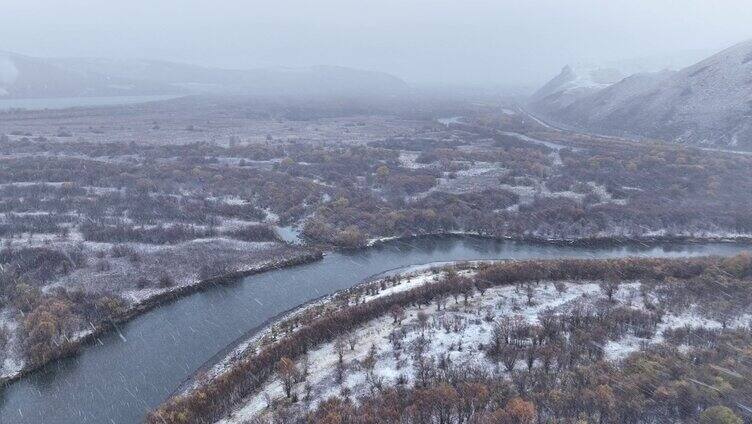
x=130, y=371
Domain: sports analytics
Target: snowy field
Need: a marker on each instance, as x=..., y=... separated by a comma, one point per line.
x=382, y=352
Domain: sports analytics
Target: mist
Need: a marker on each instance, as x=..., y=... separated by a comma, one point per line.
x=300, y=211
x=424, y=42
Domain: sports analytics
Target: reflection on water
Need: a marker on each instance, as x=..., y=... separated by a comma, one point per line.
x=123, y=375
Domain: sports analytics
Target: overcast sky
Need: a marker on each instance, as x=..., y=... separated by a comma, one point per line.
x=422, y=41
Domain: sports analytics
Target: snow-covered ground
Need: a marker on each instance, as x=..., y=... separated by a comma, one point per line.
x=377, y=240
x=451, y=120
x=409, y=160
x=455, y=333
x=136, y=281
x=410, y=278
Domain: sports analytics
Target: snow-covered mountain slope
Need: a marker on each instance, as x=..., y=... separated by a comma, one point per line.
x=709, y=103
x=23, y=76
x=574, y=83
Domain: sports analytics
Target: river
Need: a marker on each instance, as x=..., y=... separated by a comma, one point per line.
x=130, y=371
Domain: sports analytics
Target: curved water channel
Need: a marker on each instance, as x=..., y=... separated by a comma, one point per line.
x=130, y=371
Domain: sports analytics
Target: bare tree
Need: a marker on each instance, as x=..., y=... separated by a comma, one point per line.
x=339, y=371
x=529, y=293
x=508, y=355
x=339, y=347
x=610, y=285
x=288, y=374
x=422, y=322
x=369, y=365
x=397, y=313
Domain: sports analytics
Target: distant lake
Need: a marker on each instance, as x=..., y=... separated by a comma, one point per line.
x=68, y=102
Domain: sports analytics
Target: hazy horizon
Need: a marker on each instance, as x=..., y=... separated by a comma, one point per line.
x=439, y=42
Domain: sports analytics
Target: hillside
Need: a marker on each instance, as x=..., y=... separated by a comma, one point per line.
x=29, y=77
x=574, y=83
x=709, y=103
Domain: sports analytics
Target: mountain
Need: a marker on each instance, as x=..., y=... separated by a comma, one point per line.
x=574, y=83
x=23, y=76
x=29, y=77
x=708, y=103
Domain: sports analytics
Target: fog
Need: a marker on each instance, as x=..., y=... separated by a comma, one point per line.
x=424, y=42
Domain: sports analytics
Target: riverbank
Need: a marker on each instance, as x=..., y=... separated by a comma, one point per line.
x=160, y=298
x=506, y=346
x=286, y=324
x=578, y=242
x=255, y=338
x=342, y=314
x=147, y=359
x=164, y=296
